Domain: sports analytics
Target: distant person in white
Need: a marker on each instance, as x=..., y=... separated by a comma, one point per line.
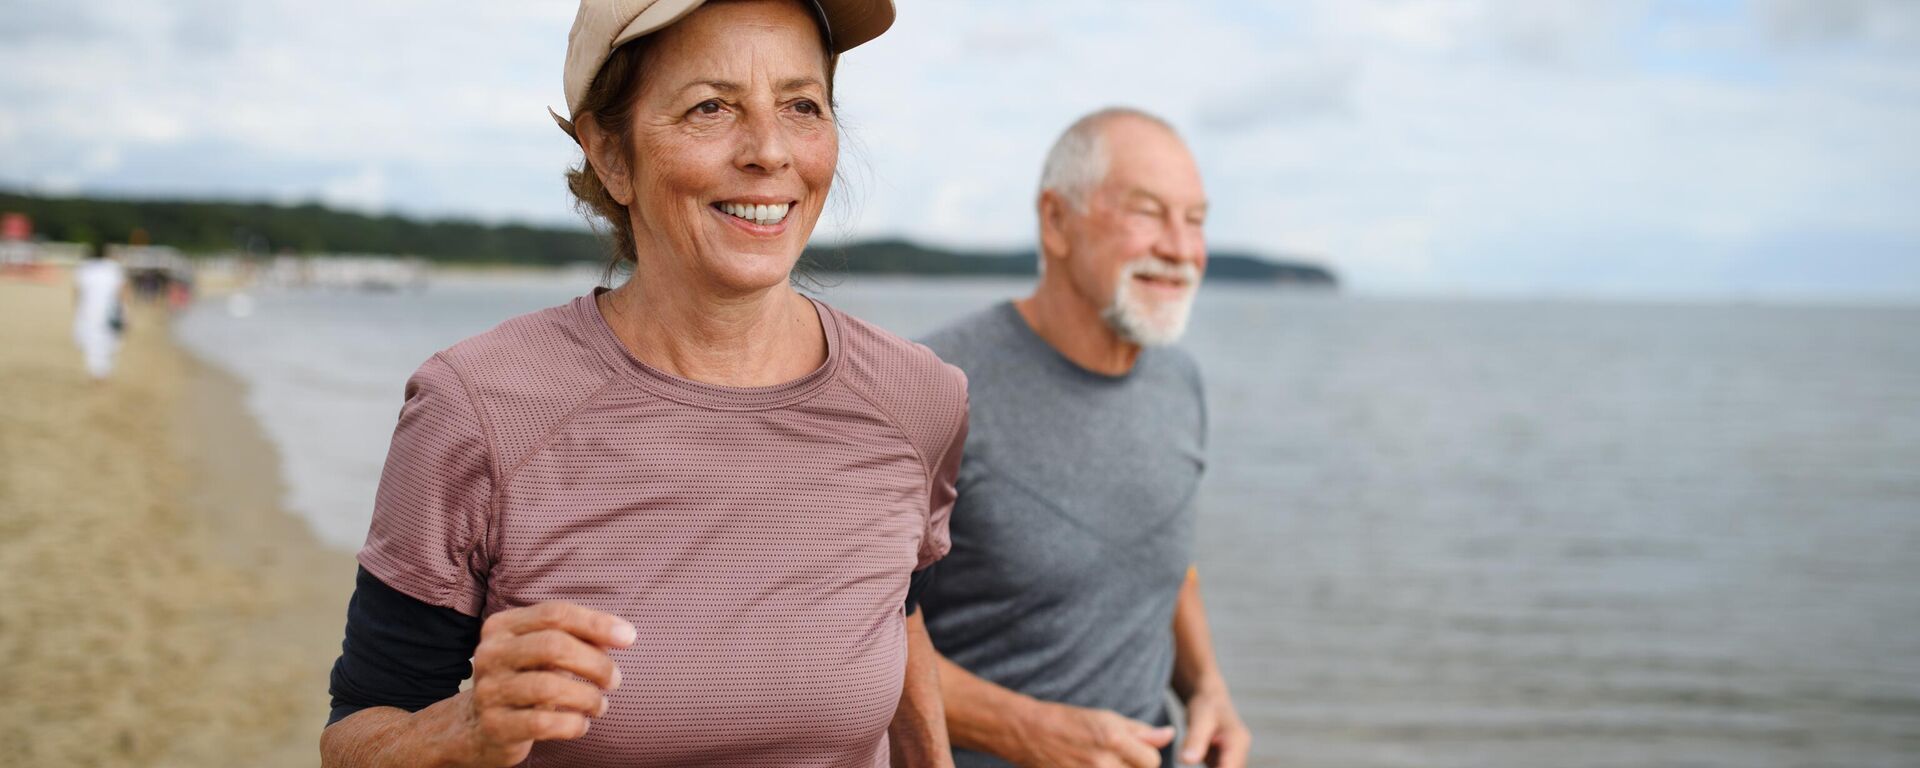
x=99, y=288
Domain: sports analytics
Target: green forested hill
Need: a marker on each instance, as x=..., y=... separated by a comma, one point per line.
x=206, y=226
x=214, y=226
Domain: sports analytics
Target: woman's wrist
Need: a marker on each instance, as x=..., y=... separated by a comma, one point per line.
x=445, y=734
x=384, y=737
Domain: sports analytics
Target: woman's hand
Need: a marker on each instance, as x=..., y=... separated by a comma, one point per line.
x=528, y=673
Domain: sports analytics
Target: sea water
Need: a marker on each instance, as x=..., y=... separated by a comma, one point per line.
x=1432, y=533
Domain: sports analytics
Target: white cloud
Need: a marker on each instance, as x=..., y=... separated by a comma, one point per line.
x=286, y=100
x=363, y=191
x=1456, y=144
x=1891, y=23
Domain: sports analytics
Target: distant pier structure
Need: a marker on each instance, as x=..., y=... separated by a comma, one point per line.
x=344, y=271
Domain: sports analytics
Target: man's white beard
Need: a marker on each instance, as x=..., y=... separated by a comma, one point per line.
x=1145, y=323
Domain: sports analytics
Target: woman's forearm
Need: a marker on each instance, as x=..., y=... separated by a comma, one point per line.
x=384, y=737
x=918, y=735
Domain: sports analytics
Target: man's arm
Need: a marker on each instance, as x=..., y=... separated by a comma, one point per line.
x=1214, y=730
x=918, y=734
x=985, y=717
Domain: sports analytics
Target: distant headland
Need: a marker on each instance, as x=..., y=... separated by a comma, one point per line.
x=229, y=227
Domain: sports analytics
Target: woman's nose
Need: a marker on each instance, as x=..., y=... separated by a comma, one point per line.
x=764, y=144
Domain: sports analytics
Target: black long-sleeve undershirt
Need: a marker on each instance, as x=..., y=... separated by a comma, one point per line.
x=399, y=651
x=402, y=652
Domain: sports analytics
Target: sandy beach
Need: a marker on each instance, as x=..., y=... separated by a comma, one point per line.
x=162, y=608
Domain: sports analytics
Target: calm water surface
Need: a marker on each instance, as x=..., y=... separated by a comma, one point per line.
x=1432, y=533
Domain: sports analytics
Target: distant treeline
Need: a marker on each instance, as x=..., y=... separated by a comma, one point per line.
x=262, y=228
x=902, y=257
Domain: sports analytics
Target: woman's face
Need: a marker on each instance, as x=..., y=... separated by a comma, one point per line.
x=733, y=146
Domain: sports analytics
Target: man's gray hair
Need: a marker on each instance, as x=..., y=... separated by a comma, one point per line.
x=1078, y=161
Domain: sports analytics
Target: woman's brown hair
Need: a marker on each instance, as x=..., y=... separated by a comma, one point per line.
x=610, y=100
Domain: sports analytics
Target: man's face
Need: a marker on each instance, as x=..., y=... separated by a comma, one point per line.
x=1138, y=250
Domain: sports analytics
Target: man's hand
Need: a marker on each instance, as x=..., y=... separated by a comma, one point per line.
x=1062, y=735
x=1214, y=731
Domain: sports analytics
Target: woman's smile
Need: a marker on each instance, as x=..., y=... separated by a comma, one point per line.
x=755, y=216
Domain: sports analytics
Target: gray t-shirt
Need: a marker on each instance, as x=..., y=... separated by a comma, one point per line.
x=1074, y=525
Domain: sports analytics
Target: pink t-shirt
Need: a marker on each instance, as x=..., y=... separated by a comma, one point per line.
x=760, y=539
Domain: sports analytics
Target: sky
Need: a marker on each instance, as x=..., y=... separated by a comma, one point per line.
x=1634, y=148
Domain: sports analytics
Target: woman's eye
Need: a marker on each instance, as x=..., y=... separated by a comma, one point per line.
x=806, y=107
x=708, y=107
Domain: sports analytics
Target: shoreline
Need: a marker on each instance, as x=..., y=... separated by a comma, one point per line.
x=168, y=609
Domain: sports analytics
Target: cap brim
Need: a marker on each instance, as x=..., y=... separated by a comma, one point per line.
x=849, y=23
x=656, y=17
x=565, y=125
x=856, y=21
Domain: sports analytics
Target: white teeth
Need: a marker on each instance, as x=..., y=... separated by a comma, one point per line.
x=764, y=215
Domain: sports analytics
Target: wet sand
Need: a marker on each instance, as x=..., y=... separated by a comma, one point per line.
x=162, y=608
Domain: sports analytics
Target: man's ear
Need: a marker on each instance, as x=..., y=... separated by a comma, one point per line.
x=1054, y=210
x=608, y=158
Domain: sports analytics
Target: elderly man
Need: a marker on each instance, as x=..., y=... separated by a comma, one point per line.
x=1069, y=602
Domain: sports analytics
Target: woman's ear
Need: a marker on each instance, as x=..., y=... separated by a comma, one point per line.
x=608, y=158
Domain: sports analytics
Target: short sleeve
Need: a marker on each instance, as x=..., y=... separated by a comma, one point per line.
x=942, y=485
x=430, y=517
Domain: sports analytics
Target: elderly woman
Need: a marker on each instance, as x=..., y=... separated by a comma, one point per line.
x=685, y=511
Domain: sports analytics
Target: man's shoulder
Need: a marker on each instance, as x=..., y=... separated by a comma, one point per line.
x=969, y=340
x=1181, y=362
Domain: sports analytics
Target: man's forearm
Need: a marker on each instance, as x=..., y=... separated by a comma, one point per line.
x=918, y=734
x=981, y=716
x=1194, y=667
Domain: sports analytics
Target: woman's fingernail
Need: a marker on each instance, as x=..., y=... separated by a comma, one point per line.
x=625, y=634
x=616, y=677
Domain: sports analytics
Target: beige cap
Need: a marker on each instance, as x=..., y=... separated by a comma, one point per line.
x=603, y=25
